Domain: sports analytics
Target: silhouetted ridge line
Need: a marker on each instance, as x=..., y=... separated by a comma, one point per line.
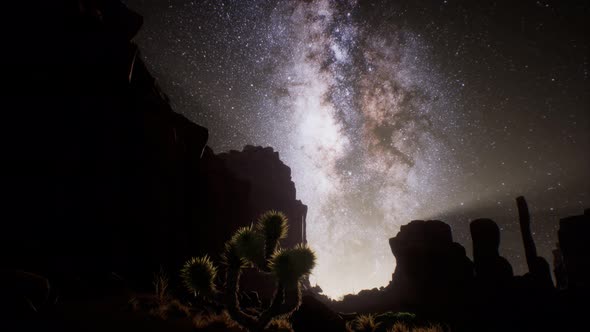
x=434, y=278
x=101, y=176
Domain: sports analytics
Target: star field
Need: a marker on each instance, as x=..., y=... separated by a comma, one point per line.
x=390, y=111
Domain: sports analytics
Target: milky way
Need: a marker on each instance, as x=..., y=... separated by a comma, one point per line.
x=359, y=134
x=369, y=114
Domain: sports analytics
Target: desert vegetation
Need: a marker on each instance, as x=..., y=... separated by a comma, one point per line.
x=391, y=322
x=256, y=246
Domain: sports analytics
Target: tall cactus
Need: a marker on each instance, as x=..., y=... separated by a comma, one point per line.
x=255, y=246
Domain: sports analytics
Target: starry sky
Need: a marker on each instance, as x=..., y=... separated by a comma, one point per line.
x=389, y=111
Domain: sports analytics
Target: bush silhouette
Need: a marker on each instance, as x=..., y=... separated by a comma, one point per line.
x=255, y=246
x=365, y=323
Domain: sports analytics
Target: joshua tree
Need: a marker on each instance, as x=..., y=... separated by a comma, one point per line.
x=255, y=246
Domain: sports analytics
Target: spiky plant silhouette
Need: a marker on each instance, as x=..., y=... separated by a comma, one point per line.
x=198, y=275
x=255, y=246
x=365, y=323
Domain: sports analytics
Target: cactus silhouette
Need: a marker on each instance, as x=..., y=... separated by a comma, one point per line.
x=255, y=246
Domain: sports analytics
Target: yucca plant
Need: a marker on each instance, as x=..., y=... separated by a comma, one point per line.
x=198, y=275
x=255, y=246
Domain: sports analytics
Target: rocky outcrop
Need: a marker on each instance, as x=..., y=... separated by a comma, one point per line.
x=574, y=249
x=432, y=271
x=426, y=256
x=100, y=175
x=574, y=269
x=435, y=279
x=539, y=270
x=432, y=276
x=493, y=273
x=490, y=267
x=313, y=315
x=271, y=186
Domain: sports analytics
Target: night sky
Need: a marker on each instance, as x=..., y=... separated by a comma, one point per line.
x=389, y=111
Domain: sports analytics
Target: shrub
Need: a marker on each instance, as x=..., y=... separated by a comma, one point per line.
x=160, y=282
x=365, y=323
x=389, y=319
x=256, y=246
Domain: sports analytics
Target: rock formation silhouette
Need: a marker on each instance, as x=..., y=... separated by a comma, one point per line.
x=539, y=270
x=490, y=267
x=574, y=271
x=100, y=175
x=493, y=273
x=435, y=279
x=271, y=186
x=429, y=265
x=102, y=182
x=574, y=249
x=432, y=271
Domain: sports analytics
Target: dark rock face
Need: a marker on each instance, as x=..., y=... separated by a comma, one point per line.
x=539, y=270
x=435, y=279
x=574, y=268
x=432, y=275
x=314, y=315
x=431, y=271
x=236, y=188
x=490, y=267
x=559, y=270
x=99, y=173
x=271, y=187
x=427, y=256
x=575, y=250
x=493, y=273
x=23, y=294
